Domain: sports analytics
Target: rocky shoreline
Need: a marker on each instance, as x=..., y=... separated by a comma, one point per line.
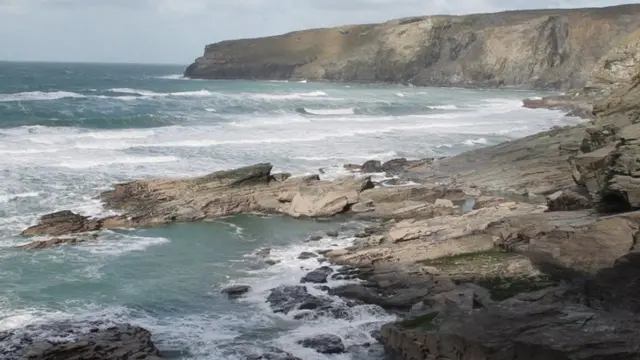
x=509, y=252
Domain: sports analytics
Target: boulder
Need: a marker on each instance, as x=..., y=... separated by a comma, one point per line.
x=235, y=291
x=285, y=299
x=332, y=233
x=78, y=342
x=313, y=238
x=317, y=276
x=324, y=344
x=371, y=166
x=569, y=199
x=307, y=255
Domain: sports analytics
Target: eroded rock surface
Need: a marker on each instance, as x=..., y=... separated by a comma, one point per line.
x=79, y=342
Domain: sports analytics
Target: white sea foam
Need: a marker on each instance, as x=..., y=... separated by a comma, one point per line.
x=346, y=111
x=210, y=110
x=124, y=160
x=471, y=142
x=292, y=96
x=173, y=77
x=151, y=94
x=443, y=107
x=7, y=197
x=39, y=96
x=113, y=244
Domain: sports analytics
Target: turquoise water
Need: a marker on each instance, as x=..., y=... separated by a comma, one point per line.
x=69, y=131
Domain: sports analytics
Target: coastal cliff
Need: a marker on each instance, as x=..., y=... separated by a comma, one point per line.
x=550, y=49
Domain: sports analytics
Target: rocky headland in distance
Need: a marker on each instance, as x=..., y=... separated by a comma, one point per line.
x=523, y=249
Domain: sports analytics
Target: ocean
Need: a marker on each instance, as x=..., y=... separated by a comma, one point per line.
x=70, y=131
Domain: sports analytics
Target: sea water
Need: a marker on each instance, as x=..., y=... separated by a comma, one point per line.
x=70, y=131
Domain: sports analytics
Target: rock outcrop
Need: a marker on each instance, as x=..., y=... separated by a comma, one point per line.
x=537, y=49
x=77, y=342
x=520, y=331
x=223, y=193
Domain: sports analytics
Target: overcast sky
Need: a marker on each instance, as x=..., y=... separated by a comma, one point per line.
x=175, y=31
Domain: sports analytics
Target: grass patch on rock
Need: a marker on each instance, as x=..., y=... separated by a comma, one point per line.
x=479, y=257
x=423, y=321
x=505, y=288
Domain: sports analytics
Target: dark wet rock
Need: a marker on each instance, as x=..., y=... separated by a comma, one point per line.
x=332, y=233
x=285, y=299
x=346, y=273
x=371, y=166
x=324, y=344
x=263, y=252
x=390, y=298
x=323, y=288
x=317, y=276
x=376, y=334
x=95, y=341
x=313, y=238
x=236, y=290
x=307, y=255
x=273, y=354
x=324, y=251
x=272, y=262
x=523, y=330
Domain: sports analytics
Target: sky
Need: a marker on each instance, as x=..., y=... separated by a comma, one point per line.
x=176, y=31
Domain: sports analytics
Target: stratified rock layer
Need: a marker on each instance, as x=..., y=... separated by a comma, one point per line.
x=538, y=48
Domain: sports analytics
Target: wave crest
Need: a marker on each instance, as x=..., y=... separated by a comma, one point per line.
x=39, y=96
x=308, y=111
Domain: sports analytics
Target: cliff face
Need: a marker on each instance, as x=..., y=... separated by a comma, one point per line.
x=535, y=49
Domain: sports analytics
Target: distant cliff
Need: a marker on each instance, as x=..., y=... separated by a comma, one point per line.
x=556, y=49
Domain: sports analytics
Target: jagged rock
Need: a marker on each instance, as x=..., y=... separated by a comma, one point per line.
x=520, y=330
x=76, y=342
x=324, y=344
x=43, y=244
x=62, y=223
x=236, y=290
x=569, y=200
x=371, y=166
x=307, y=255
x=317, y=276
x=245, y=190
x=285, y=299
